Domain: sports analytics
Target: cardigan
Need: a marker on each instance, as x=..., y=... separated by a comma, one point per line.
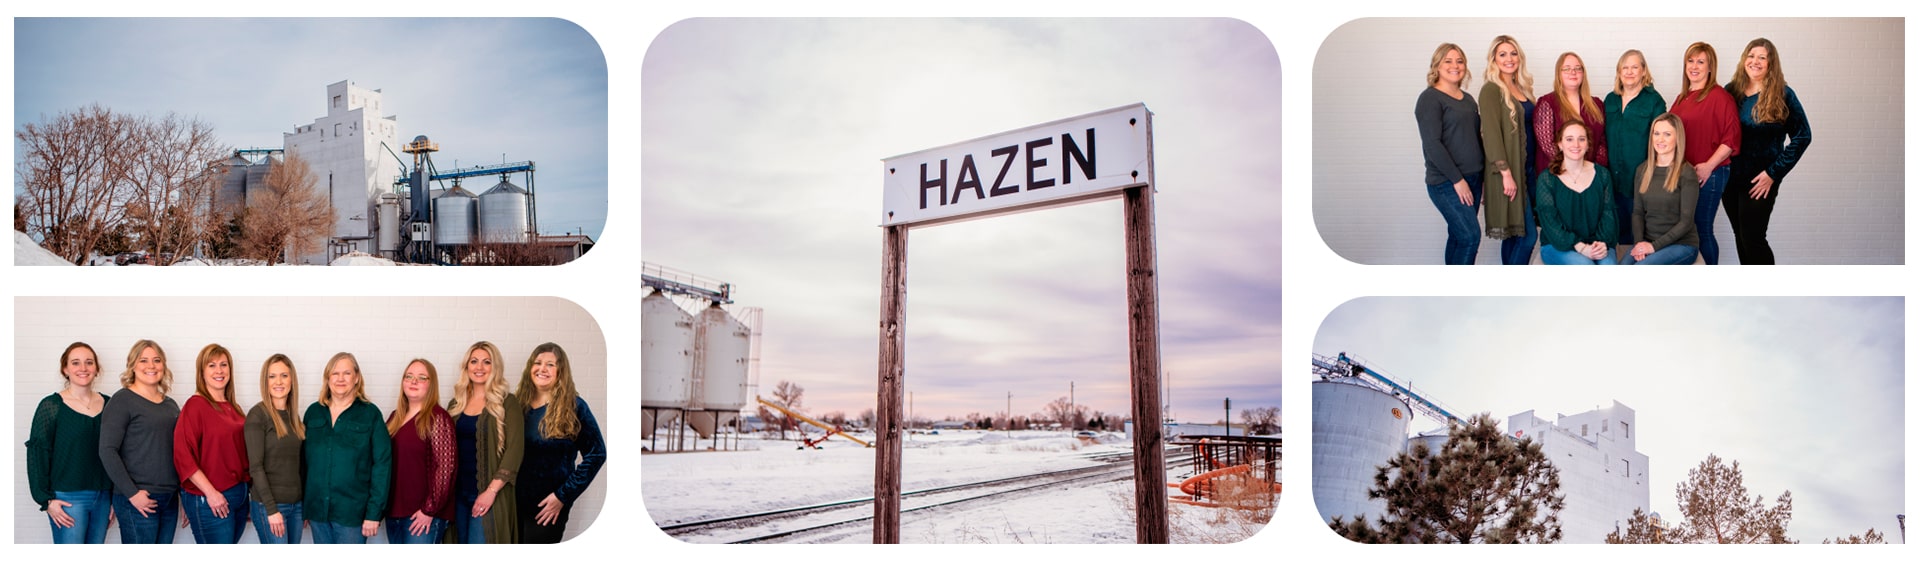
x=1505, y=138
x=1710, y=123
x=275, y=460
x=1449, y=135
x=349, y=465
x=1546, y=132
x=1666, y=218
x=498, y=457
x=63, y=451
x=1568, y=217
x=1627, y=131
x=549, y=468
x=211, y=440
x=136, y=444
x=1765, y=146
x=423, y=468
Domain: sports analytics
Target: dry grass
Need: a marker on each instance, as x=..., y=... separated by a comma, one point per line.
x=1245, y=507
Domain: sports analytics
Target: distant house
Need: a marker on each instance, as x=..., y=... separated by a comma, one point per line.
x=949, y=425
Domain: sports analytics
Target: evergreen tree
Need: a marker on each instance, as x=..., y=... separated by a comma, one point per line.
x=1482, y=487
x=1717, y=510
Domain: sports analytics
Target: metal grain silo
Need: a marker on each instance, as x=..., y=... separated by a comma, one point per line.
x=722, y=347
x=453, y=217
x=503, y=214
x=389, y=222
x=666, y=353
x=1356, y=429
x=233, y=191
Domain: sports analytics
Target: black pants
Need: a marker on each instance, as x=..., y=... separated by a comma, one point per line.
x=1749, y=216
x=532, y=532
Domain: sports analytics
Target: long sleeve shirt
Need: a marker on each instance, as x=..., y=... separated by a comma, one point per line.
x=549, y=468
x=1449, y=135
x=210, y=439
x=1710, y=123
x=423, y=468
x=63, y=451
x=275, y=460
x=1773, y=147
x=1665, y=218
x=1546, y=132
x=1568, y=217
x=349, y=465
x=1628, y=124
x=136, y=444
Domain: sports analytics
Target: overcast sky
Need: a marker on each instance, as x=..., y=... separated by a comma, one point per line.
x=531, y=89
x=1806, y=393
x=762, y=152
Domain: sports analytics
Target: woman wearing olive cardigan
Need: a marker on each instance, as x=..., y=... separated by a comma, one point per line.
x=489, y=430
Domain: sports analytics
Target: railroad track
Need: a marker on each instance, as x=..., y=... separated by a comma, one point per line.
x=823, y=518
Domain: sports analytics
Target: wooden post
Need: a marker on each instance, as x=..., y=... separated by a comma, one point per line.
x=1143, y=361
x=887, y=415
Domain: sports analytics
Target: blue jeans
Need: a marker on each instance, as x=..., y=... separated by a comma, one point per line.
x=89, y=511
x=1671, y=254
x=209, y=529
x=325, y=532
x=1552, y=255
x=156, y=527
x=1705, y=212
x=468, y=529
x=1463, y=221
x=1519, y=250
x=289, y=519
x=399, y=531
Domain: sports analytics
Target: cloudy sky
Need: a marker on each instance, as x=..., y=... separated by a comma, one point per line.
x=531, y=89
x=762, y=152
x=1806, y=393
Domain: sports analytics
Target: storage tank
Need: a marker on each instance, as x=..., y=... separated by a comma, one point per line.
x=453, y=217
x=1356, y=429
x=503, y=214
x=233, y=191
x=666, y=352
x=723, y=346
x=389, y=223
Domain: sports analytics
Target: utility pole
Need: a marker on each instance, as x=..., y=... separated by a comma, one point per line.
x=1009, y=418
x=1071, y=412
x=1228, y=405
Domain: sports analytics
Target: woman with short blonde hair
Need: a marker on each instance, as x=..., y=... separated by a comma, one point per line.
x=1449, y=123
x=1630, y=109
x=136, y=448
x=349, y=459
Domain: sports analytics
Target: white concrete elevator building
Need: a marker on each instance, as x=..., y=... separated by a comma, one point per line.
x=1602, y=473
x=349, y=163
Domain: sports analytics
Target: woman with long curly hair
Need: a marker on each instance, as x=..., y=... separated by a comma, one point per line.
x=489, y=443
x=560, y=430
x=1506, y=135
x=1773, y=137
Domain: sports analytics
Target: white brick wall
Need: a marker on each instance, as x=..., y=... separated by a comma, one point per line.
x=1843, y=204
x=382, y=333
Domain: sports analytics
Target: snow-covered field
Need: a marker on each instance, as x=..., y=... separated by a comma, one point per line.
x=768, y=475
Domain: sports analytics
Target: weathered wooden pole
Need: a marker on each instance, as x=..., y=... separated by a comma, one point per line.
x=887, y=415
x=1143, y=360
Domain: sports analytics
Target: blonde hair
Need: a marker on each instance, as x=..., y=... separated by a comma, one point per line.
x=424, y=421
x=1772, y=105
x=496, y=391
x=1433, y=68
x=1646, y=77
x=359, y=380
x=133, y=355
x=1569, y=109
x=1522, y=78
x=1713, y=67
x=1679, y=152
x=282, y=421
x=207, y=355
x=560, y=421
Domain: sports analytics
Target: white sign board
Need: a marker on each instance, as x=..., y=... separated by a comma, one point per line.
x=1061, y=162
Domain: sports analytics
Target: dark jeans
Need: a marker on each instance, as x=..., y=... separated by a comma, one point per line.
x=400, y=531
x=325, y=532
x=1463, y=221
x=1551, y=255
x=89, y=511
x=1519, y=250
x=1750, y=217
x=156, y=527
x=1709, y=208
x=208, y=529
x=468, y=529
x=289, y=518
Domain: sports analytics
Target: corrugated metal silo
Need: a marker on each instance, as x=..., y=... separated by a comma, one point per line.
x=724, y=347
x=503, y=214
x=389, y=222
x=233, y=191
x=666, y=353
x=1356, y=429
x=453, y=217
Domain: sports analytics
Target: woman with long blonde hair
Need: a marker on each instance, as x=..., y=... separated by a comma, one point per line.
x=275, y=437
x=560, y=429
x=64, y=472
x=136, y=448
x=489, y=443
x=1506, y=137
x=1712, y=121
x=1630, y=109
x=1665, y=191
x=210, y=452
x=349, y=458
x=1570, y=101
x=423, y=459
x=1773, y=136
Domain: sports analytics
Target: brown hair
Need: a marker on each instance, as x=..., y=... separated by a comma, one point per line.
x=67, y=356
x=282, y=421
x=207, y=355
x=424, y=421
x=1679, y=153
x=1713, y=67
x=1772, y=105
x=1559, y=164
x=1570, y=109
x=560, y=421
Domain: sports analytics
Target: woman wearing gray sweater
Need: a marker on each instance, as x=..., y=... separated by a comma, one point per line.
x=1666, y=189
x=136, y=448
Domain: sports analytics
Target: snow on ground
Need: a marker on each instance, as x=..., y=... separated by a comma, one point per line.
x=28, y=253
x=768, y=474
x=358, y=258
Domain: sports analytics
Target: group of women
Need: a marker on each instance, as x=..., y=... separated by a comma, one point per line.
x=1599, y=190
x=492, y=467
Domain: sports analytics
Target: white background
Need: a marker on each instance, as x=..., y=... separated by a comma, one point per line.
x=1316, y=280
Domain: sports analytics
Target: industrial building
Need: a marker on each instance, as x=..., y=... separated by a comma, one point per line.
x=697, y=371
x=1361, y=419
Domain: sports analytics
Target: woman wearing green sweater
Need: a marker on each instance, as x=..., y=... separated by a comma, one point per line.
x=349, y=459
x=63, y=454
x=489, y=435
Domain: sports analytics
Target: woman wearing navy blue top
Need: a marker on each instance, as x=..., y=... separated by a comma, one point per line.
x=1773, y=136
x=559, y=428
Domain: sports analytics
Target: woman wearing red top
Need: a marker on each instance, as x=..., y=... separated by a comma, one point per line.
x=423, y=459
x=1570, y=100
x=1713, y=138
x=210, y=452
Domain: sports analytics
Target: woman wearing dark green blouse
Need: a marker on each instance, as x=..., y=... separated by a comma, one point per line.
x=349, y=459
x=1630, y=110
x=1577, y=221
x=63, y=454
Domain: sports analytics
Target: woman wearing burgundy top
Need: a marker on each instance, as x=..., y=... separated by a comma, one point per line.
x=560, y=428
x=1571, y=100
x=210, y=452
x=1713, y=138
x=1773, y=136
x=423, y=459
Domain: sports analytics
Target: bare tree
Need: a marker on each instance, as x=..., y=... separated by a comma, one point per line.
x=71, y=170
x=788, y=394
x=289, y=218
x=1261, y=420
x=1066, y=413
x=171, y=176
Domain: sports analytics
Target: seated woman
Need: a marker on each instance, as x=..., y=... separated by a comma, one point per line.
x=1575, y=204
x=1663, y=227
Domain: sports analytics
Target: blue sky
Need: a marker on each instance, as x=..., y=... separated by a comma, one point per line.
x=531, y=89
x=1806, y=393
x=763, y=142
